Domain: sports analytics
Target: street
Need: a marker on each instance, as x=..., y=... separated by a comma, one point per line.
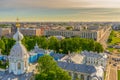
x=113, y=73
x=112, y=66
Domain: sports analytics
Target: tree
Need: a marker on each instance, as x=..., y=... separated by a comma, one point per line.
x=9, y=42
x=112, y=34
x=53, y=43
x=49, y=70
x=98, y=47
x=2, y=45
x=75, y=44
x=42, y=42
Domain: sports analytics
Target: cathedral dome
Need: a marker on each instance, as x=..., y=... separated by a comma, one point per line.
x=18, y=58
x=18, y=36
x=18, y=51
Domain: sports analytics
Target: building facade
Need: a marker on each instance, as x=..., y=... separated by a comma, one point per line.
x=78, y=65
x=18, y=58
x=5, y=31
x=95, y=34
x=31, y=31
x=82, y=71
x=84, y=66
x=18, y=68
x=93, y=58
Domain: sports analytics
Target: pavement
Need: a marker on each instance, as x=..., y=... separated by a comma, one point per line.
x=10, y=76
x=104, y=39
x=111, y=72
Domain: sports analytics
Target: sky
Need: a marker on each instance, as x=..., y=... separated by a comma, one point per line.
x=60, y=10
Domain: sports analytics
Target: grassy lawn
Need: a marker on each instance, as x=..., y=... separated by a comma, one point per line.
x=115, y=35
x=104, y=75
x=118, y=74
x=110, y=49
x=115, y=40
x=3, y=67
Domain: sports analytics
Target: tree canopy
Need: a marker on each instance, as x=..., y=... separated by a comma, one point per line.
x=49, y=70
x=74, y=44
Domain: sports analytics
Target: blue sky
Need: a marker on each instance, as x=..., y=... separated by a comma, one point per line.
x=60, y=10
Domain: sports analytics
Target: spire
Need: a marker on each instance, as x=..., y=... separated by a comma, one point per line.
x=36, y=46
x=18, y=35
x=17, y=23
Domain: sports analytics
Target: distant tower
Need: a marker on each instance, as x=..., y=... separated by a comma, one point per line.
x=36, y=48
x=18, y=58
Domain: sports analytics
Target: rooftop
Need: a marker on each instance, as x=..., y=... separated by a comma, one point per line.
x=77, y=67
x=91, y=54
x=10, y=76
x=76, y=58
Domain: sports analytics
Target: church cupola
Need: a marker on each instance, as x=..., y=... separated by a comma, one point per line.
x=18, y=58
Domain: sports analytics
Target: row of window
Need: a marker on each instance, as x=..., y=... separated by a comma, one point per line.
x=83, y=34
x=78, y=76
x=89, y=61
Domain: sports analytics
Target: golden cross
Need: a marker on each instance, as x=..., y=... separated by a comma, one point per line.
x=17, y=23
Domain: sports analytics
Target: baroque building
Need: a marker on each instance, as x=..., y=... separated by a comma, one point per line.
x=82, y=66
x=18, y=58
x=84, y=32
x=18, y=68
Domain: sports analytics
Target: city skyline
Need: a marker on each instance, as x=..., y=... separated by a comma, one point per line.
x=60, y=10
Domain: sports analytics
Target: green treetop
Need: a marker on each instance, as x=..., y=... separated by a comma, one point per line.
x=49, y=70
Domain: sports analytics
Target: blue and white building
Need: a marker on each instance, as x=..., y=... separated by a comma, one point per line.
x=83, y=66
x=18, y=68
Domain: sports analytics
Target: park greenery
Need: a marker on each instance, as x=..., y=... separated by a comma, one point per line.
x=49, y=70
x=3, y=64
x=75, y=44
x=6, y=44
x=118, y=72
x=69, y=28
x=4, y=25
x=114, y=39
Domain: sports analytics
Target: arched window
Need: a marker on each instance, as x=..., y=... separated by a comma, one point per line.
x=88, y=77
x=75, y=75
x=82, y=77
x=69, y=73
x=19, y=65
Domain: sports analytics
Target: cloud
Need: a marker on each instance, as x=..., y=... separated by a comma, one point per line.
x=60, y=9
x=22, y=4
x=41, y=4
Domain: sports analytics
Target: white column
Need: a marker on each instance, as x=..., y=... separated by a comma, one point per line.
x=85, y=77
x=72, y=75
x=79, y=76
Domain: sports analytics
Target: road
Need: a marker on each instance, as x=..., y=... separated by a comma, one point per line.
x=104, y=39
x=111, y=72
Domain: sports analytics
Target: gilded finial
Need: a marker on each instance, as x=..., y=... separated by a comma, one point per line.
x=17, y=23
